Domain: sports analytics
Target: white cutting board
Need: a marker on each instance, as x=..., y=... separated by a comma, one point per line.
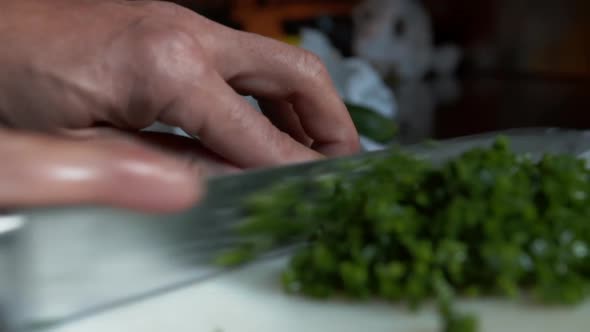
x=250, y=300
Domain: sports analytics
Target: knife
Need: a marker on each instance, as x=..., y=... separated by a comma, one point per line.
x=62, y=264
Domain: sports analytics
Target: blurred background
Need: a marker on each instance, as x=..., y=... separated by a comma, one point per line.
x=452, y=67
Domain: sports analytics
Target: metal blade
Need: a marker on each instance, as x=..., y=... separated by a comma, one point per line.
x=62, y=264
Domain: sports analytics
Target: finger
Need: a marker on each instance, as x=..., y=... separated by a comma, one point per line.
x=186, y=148
x=233, y=128
x=281, y=114
x=39, y=170
x=192, y=150
x=267, y=68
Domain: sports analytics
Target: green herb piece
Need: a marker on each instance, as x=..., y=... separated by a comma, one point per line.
x=234, y=257
x=372, y=124
x=460, y=323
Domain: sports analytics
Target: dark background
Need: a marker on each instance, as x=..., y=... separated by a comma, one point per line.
x=526, y=62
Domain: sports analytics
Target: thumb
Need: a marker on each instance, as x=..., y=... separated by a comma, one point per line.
x=41, y=170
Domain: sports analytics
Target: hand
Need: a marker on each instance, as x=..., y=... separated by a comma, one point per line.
x=70, y=65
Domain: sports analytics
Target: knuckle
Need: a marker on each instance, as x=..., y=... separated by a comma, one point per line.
x=166, y=9
x=313, y=66
x=168, y=50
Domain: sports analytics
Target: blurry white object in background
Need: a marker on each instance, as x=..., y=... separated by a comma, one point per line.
x=355, y=79
x=357, y=82
x=396, y=37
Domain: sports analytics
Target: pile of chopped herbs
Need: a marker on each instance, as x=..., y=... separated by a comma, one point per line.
x=489, y=222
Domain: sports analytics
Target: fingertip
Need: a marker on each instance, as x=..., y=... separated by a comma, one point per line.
x=170, y=186
x=348, y=145
x=293, y=152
